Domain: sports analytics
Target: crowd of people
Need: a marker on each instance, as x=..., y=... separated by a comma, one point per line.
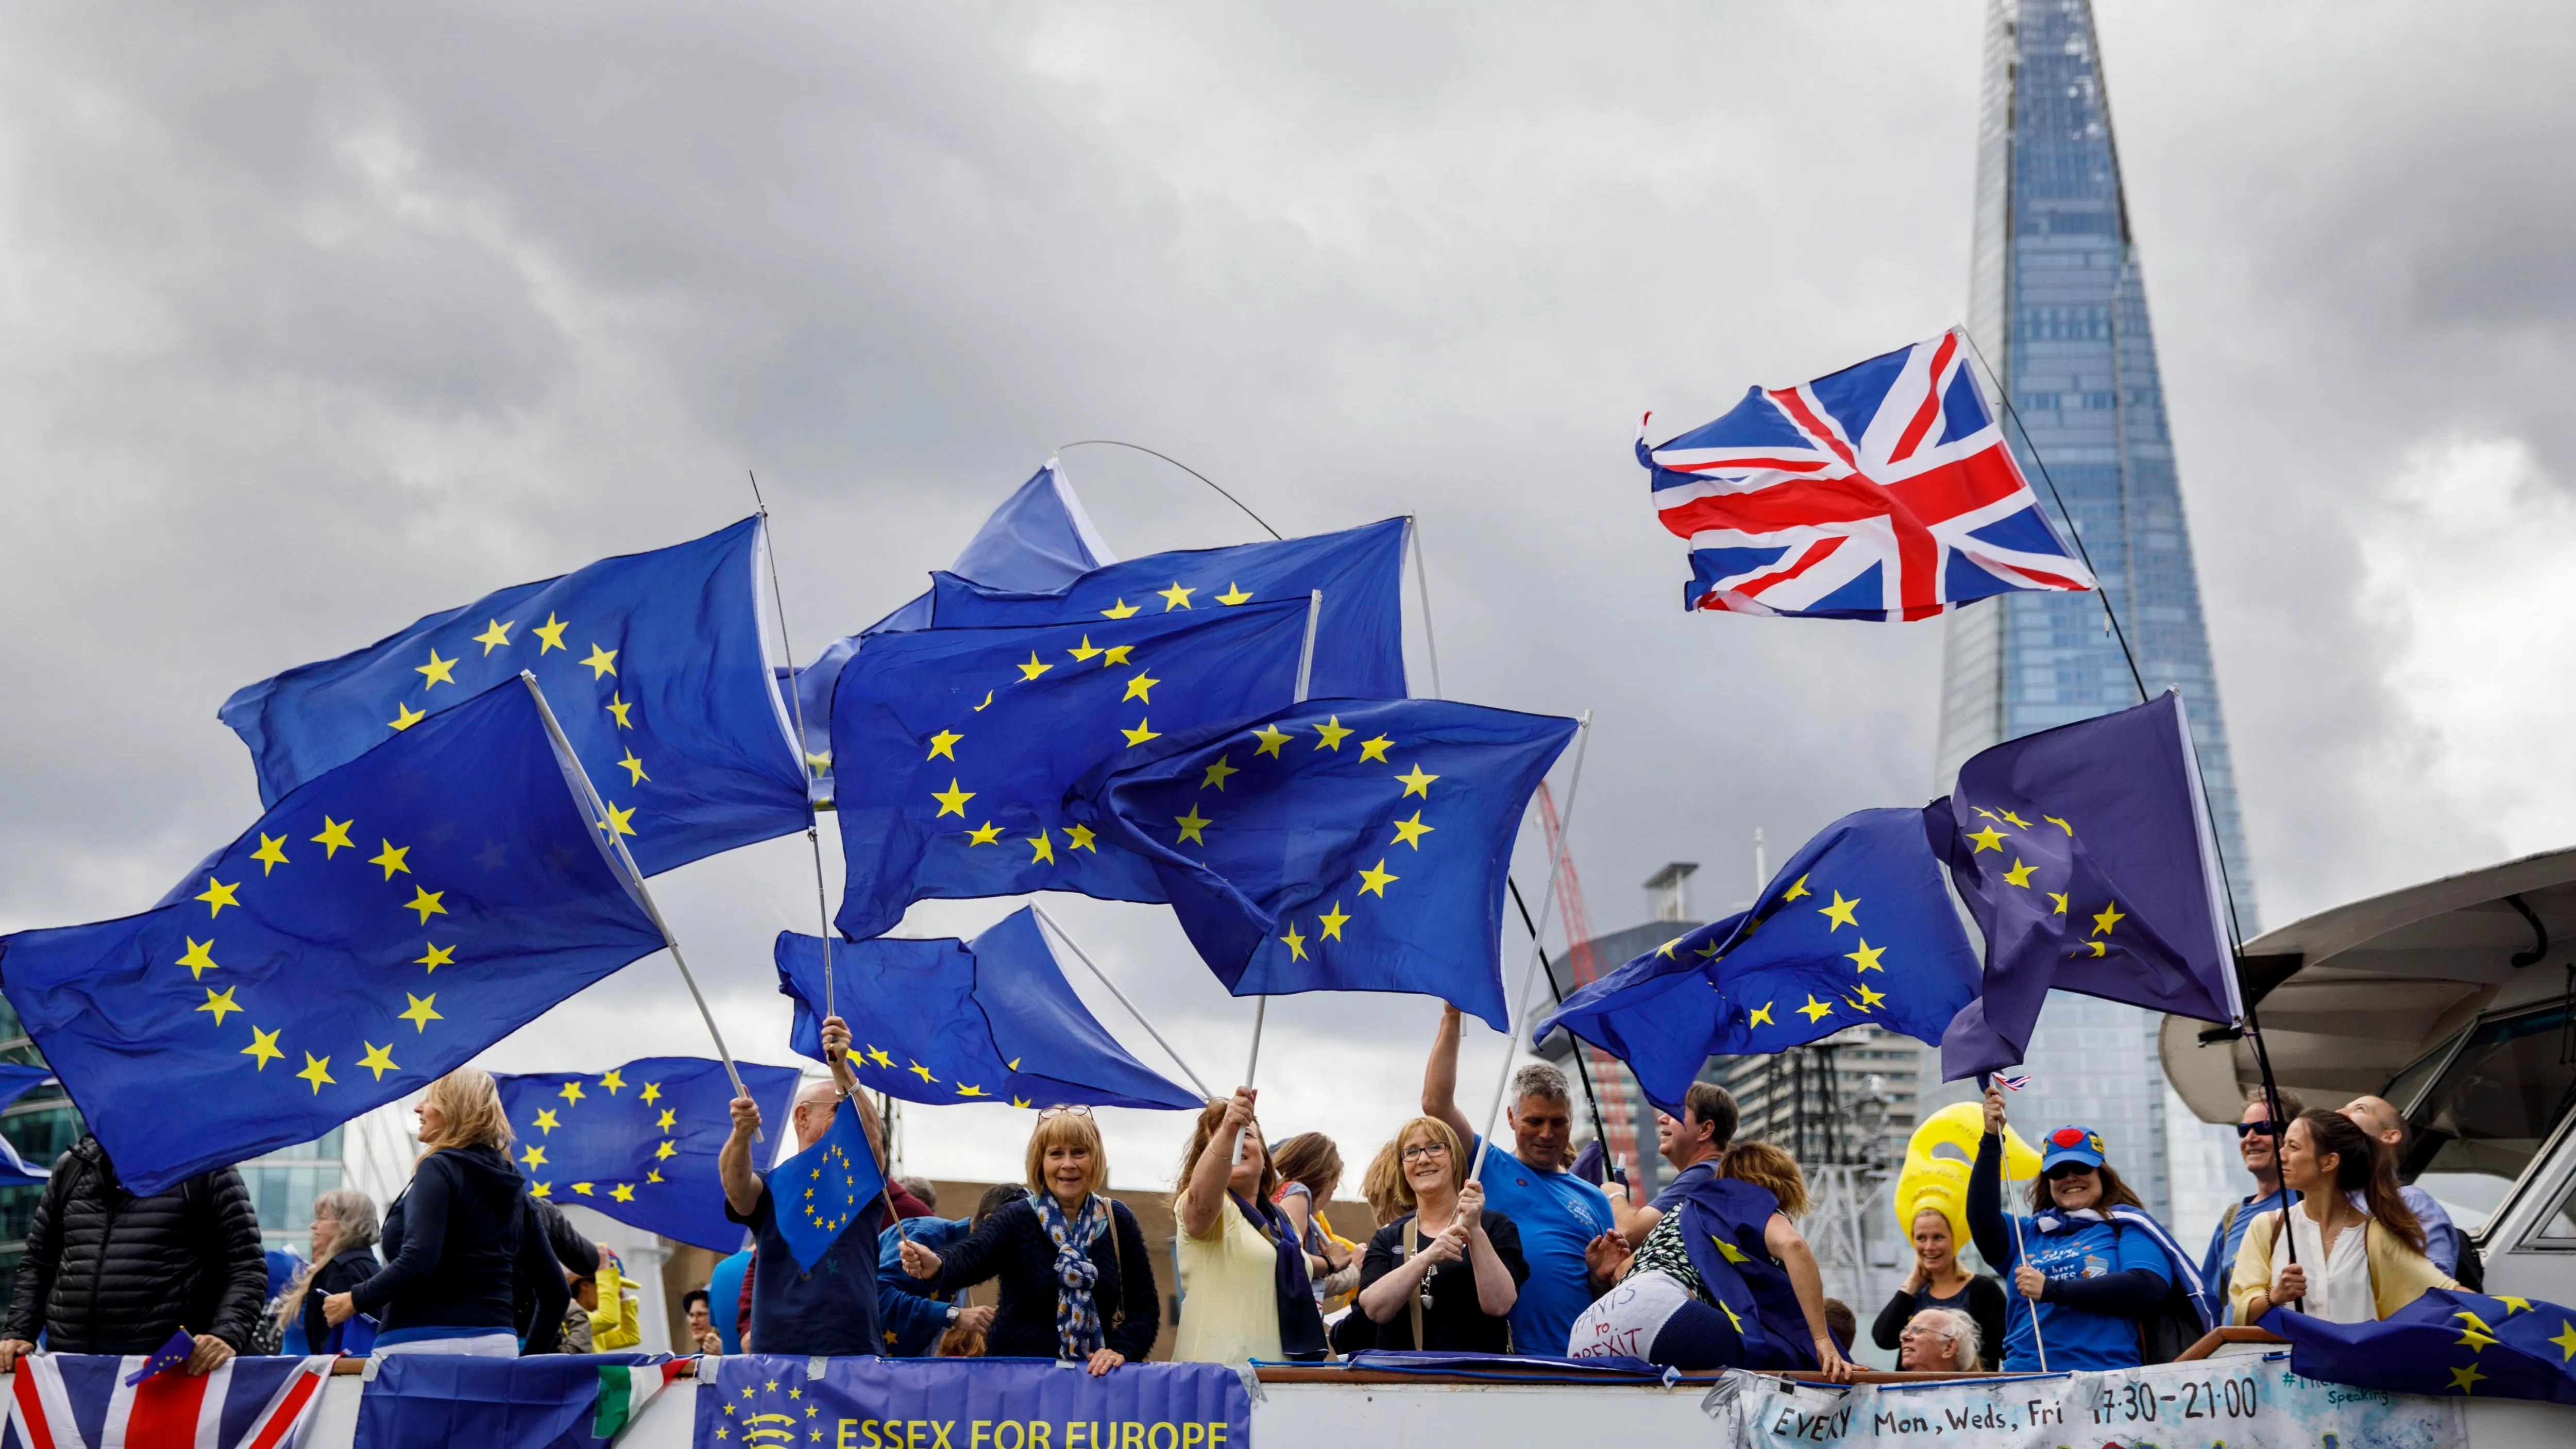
x=1478, y=1248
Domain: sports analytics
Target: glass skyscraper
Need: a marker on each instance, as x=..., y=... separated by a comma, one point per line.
x=2058, y=306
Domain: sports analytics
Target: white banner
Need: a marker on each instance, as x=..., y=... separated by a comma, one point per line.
x=2238, y=1402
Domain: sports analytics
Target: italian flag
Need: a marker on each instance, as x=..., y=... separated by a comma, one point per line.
x=624, y=1390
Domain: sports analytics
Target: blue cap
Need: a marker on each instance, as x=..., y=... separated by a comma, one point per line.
x=2072, y=1144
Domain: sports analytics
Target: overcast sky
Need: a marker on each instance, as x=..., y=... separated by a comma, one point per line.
x=314, y=319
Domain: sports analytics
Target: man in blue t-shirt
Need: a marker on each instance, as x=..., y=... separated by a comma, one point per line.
x=1567, y=1233
x=1693, y=1143
x=2256, y=1137
x=830, y=1308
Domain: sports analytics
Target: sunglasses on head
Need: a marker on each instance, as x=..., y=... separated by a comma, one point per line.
x=2267, y=1128
x=2065, y=1170
x=1076, y=1110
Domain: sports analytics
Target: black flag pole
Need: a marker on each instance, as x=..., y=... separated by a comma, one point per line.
x=1600, y=1133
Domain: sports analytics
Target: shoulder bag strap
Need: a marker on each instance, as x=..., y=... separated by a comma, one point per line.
x=1118, y=1257
x=1412, y=1240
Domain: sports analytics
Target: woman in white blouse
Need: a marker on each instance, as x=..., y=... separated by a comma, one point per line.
x=2360, y=1251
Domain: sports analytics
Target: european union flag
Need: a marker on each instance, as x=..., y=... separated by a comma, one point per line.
x=2086, y=855
x=1359, y=637
x=822, y=1190
x=948, y=1021
x=17, y=1080
x=1038, y=541
x=484, y=864
x=639, y=1142
x=2446, y=1342
x=954, y=747
x=1342, y=845
x=1783, y=973
x=663, y=690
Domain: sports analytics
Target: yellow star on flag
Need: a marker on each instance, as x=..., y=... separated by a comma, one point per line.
x=2060, y=824
x=570, y=1092
x=438, y=671
x=1041, y=848
x=665, y=1150
x=1032, y=669
x=1815, y=1010
x=2059, y=897
x=618, y=706
x=1410, y=832
x=987, y=833
x=2466, y=1378
x=220, y=1002
x=2106, y=918
x=1332, y=922
x=877, y=1055
x=263, y=1047
x=393, y=858
x=1417, y=783
x=1332, y=731
x=668, y=1120
x=1115, y=655
x=217, y=895
x=602, y=662
x=943, y=745
x=1868, y=998
x=1218, y=774
x=197, y=958
x=623, y=1192
x=1375, y=748
x=379, y=1059
x=966, y=1089
x=405, y=716
x=1987, y=839
x=1175, y=597
x=584, y=1189
x=2020, y=874
x=1797, y=891
x=2566, y=1341
x=1120, y=610
x=1079, y=837
x=317, y=1070
x=1140, y=685
x=652, y=1093
x=2471, y=1338
x=619, y=822
x=634, y=770
x=427, y=903
x=1143, y=731
x=271, y=853
x=1193, y=826
x=1271, y=737
x=2513, y=1305
x=1866, y=958
x=2017, y=822
x=922, y=1072
x=612, y=1083
x=1295, y=943
x=2093, y=948
x=1234, y=594
x=437, y=956
x=1839, y=913
x=653, y=1176
x=1375, y=879
x=494, y=637
x=1762, y=1015
x=335, y=834
x=546, y=1119
x=421, y=1014
x=1082, y=655
x=952, y=801
x=550, y=634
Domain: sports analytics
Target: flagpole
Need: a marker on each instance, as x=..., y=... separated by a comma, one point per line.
x=2003, y=1142
x=1529, y=974
x=1422, y=590
x=1305, y=678
x=635, y=882
x=804, y=764
x=1084, y=957
x=1591, y=1099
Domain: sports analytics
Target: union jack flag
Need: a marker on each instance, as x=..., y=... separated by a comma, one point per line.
x=1883, y=491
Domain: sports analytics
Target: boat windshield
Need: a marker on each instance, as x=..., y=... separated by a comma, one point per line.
x=2491, y=1109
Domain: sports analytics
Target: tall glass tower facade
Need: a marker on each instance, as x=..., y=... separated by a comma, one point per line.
x=2058, y=306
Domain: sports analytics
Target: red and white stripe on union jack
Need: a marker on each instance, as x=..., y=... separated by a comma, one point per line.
x=1883, y=491
x=81, y=1401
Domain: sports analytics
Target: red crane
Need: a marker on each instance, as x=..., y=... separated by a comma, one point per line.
x=1631, y=1138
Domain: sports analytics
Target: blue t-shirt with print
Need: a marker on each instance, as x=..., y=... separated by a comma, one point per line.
x=1557, y=1214
x=2077, y=1339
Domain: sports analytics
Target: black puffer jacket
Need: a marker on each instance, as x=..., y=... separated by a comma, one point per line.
x=109, y=1272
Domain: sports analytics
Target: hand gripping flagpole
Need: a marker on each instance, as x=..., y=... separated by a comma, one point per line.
x=1305, y=678
x=1084, y=957
x=2003, y=1142
x=635, y=881
x=1529, y=974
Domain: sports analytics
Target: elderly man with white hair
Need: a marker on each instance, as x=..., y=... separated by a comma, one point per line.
x=1939, y=1340
x=830, y=1308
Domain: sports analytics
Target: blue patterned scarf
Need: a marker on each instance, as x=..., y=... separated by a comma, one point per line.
x=1077, y=1317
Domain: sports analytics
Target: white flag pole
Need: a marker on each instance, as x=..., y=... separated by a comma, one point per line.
x=1084, y=957
x=1305, y=677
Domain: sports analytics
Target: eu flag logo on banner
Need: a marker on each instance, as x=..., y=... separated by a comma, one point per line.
x=948, y=1021
x=1359, y=637
x=2086, y=855
x=662, y=687
x=954, y=747
x=1856, y=928
x=639, y=1142
x=1342, y=845
x=820, y=1192
x=476, y=891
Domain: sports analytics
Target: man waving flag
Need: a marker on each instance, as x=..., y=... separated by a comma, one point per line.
x=1883, y=491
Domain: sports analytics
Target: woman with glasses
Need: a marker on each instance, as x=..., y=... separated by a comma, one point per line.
x=1077, y=1278
x=1445, y=1275
x=2092, y=1272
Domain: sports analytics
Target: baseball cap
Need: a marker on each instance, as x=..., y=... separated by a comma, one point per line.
x=2072, y=1144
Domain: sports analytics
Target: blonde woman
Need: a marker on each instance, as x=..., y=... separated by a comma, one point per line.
x=1245, y=1293
x=1077, y=1278
x=1445, y=1274
x=460, y=1238
x=344, y=1241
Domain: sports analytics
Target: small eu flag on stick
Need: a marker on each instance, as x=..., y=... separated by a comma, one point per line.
x=165, y=1358
x=824, y=1190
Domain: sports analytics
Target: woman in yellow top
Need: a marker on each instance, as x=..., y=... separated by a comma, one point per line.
x=1235, y=1280
x=2360, y=1249
x=615, y=1326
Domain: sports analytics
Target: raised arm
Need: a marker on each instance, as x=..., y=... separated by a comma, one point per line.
x=1986, y=1206
x=1440, y=1080
x=742, y=1185
x=836, y=1055
x=1203, y=1197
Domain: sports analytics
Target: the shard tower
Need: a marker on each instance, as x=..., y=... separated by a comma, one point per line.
x=2058, y=305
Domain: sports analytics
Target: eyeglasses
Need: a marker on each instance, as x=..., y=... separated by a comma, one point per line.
x=2267, y=1128
x=1076, y=1110
x=2065, y=1170
x=1421, y=1150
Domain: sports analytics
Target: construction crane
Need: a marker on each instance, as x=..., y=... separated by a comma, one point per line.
x=1631, y=1138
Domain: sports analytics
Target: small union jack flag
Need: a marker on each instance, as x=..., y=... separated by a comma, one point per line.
x=2012, y=1081
x=1883, y=491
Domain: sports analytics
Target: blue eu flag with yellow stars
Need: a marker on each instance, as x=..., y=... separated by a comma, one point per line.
x=1342, y=845
x=663, y=689
x=2448, y=1342
x=821, y=1191
x=2086, y=855
x=1856, y=929
x=948, y=1021
x=1359, y=636
x=639, y=1142
x=380, y=925
x=953, y=748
